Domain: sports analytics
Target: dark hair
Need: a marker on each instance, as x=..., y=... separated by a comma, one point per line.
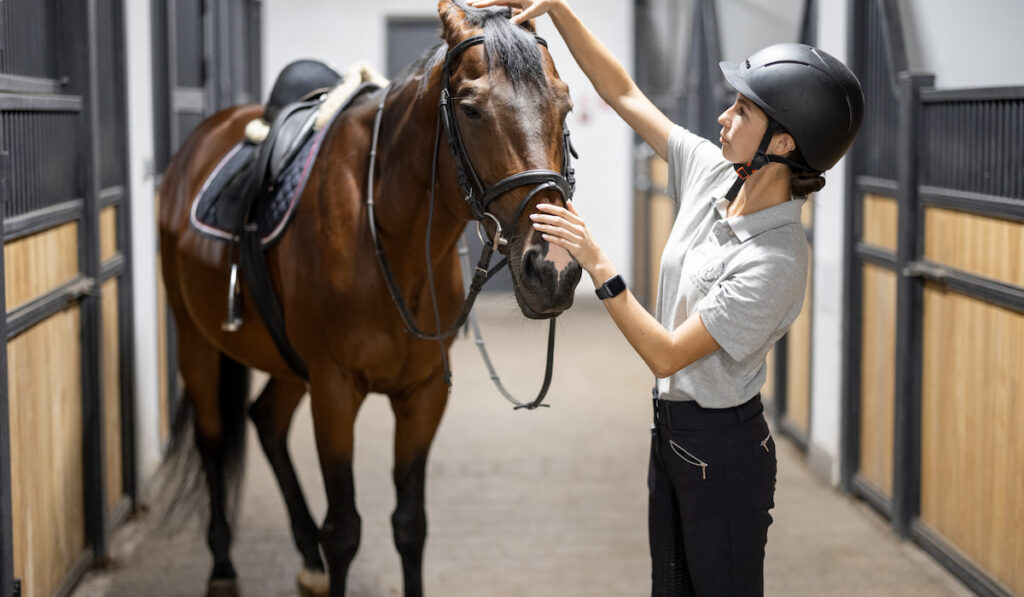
x=802, y=181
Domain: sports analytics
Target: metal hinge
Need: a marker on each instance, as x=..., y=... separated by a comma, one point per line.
x=923, y=269
x=17, y=587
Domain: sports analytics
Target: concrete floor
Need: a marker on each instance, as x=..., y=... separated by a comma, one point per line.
x=544, y=503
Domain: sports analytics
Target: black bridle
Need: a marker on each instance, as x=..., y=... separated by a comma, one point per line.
x=478, y=197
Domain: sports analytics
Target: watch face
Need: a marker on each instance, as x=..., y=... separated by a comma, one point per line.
x=616, y=285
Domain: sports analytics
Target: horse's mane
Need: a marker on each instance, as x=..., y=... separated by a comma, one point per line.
x=507, y=46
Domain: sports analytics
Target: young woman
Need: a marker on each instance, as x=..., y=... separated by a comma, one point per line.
x=732, y=282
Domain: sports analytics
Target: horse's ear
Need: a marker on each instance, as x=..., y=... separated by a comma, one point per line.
x=453, y=21
x=528, y=25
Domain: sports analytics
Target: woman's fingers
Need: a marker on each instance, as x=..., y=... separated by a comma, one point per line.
x=556, y=221
x=571, y=216
x=561, y=242
x=486, y=3
x=559, y=231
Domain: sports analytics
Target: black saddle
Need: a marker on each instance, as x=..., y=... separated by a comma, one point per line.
x=296, y=82
x=251, y=207
x=291, y=111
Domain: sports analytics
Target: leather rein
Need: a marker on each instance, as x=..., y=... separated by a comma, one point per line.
x=478, y=197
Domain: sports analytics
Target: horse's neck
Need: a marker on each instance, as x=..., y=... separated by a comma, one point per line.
x=405, y=155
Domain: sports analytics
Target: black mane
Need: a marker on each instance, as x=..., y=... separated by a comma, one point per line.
x=507, y=46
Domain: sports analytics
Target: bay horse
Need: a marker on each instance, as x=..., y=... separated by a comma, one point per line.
x=509, y=107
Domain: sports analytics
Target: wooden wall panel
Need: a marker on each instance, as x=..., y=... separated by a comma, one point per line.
x=662, y=212
x=880, y=222
x=798, y=367
x=878, y=349
x=108, y=232
x=972, y=453
x=45, y=389
x=37, y=264
x=768, y=389
x=983, y=246
x=112, y=394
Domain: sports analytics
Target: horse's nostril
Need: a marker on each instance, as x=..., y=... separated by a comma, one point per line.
x=531, y=261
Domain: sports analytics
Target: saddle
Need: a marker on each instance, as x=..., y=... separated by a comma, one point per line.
x=250, y=196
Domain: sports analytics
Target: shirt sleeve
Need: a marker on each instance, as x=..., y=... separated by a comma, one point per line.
x=751, y=305
x=690, y=156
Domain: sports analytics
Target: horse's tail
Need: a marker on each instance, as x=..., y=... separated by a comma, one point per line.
x=182, y=489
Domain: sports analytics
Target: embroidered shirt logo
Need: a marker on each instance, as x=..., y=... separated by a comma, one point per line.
x=708, y=275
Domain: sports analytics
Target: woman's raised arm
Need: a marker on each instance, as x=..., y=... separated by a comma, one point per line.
x=609, y=77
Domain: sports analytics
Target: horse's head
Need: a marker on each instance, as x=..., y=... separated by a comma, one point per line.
x=508, y=108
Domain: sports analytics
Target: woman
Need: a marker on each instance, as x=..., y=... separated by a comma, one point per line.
x=732, y=281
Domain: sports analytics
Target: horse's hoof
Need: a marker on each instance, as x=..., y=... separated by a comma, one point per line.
x=222, y=587
x=313, y=583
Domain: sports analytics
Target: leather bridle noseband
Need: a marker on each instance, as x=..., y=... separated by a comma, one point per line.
x=478, y=197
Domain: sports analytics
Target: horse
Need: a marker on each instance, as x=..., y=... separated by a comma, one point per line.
x=508, y=106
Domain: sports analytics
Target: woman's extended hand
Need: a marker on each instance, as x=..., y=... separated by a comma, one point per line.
x=531, y=9
x=564, y=227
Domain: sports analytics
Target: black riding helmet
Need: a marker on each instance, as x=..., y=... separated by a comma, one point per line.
x=813, y=96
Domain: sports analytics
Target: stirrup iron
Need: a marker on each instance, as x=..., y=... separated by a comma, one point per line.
x=233, y=322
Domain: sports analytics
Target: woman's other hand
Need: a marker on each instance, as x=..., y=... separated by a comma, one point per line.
x=531, y=9
x=563, y=226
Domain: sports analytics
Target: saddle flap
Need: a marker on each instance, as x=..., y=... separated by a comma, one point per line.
x=290, y=132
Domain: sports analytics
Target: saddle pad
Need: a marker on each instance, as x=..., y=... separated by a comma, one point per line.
x=275, y=213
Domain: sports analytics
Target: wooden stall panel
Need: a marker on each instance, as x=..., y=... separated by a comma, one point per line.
x=878, y=349
x=112, y=395
x=108, y=233
x=45, y=385
x=880, y=222
x=983, y=246
x=37, y=264
x=663, y=215
x=972, y=452
x=798, y=368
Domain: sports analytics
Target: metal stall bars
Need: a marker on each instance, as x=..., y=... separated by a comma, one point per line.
x=67, y=387
x=934, y=359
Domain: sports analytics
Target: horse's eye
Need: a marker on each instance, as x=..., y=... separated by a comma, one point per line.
x=470, y=111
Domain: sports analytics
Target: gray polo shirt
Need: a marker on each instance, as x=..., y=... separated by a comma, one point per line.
x=745, y=275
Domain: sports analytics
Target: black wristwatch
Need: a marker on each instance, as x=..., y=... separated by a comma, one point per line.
x=611, y=288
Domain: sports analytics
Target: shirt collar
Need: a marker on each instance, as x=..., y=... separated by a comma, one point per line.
x=750, y=225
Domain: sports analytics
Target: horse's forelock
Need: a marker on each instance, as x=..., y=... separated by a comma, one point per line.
x=507, y=45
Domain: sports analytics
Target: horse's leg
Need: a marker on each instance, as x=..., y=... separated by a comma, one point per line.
x=417, y=415
x=217, y=387
x=335, y=400
x=272, y=414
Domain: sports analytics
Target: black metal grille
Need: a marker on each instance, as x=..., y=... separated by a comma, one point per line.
x=29, y=29
x=974, y=146
x=186, y=123
x=879, y=133
x=111, y=100
x=44, y=162
x=188, y=23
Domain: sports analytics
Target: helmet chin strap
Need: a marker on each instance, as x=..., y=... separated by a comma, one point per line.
x=760, y=160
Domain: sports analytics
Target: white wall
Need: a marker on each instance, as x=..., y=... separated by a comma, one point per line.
x=335, y=33
x=138, y=44
x=828, y=290
x=965, y=44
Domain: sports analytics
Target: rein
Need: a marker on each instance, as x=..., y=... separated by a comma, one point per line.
x=478, y=198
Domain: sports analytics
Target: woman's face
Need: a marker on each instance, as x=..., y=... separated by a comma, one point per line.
x=743, y=126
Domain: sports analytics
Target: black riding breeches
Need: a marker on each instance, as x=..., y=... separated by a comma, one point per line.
x=712, y=482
